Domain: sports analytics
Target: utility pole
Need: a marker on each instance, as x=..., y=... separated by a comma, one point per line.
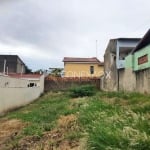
x=96, y=48
x=4, y=66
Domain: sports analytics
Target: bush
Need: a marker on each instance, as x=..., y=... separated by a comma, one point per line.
x=81, y=91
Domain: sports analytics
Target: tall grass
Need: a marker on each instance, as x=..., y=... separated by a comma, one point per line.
x=112, y=120
x=112, y=126
x=42, y=114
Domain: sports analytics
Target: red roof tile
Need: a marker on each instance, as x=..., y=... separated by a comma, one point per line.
x=25, y=75
x=75, y=59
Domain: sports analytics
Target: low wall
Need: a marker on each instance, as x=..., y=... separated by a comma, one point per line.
x=127, y=80
x=11, y=98
x=143, y=81
x=58, y=83
x=15, y=92
x=132, y=81
x=6, y=81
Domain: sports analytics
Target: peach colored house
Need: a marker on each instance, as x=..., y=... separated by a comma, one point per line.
x=82, y=67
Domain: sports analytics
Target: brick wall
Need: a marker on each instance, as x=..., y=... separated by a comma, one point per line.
x=58, y=83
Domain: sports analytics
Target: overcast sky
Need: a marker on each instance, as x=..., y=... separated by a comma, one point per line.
x=42, y=32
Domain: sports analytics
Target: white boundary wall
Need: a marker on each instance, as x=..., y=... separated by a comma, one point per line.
x=15, y=92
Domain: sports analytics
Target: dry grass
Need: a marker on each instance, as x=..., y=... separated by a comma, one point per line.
x=56, y=138
x=8, y=130
x=108, y=120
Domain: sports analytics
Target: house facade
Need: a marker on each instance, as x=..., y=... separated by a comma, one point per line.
x=11, y=64
x=132, y=73
x=82, y=67
x=114, y=61
x=137, y=68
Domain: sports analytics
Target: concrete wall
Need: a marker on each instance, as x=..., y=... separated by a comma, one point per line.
x=42, y=78
x=110, y=73
x=15, y=92
x=6, y=81
x=143, y=81
x=109, y=80
x=127, y=80
x=20, y=67
x=132, y=81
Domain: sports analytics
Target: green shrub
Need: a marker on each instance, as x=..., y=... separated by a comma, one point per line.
x=81, y=91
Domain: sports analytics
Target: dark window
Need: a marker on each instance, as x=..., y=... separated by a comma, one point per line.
x=31, y=85
x=92, y=69
x=143, y=59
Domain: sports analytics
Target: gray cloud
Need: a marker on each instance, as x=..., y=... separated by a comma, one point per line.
x=52, y=29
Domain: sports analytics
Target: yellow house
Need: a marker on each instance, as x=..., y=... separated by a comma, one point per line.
x=82, y=67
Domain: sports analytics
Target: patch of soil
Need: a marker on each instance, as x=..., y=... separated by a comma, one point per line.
x=28, y=142
x=55, y=139
x=8, y=130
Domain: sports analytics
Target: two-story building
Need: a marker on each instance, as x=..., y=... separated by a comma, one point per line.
x=12, y=64
x=137, y=68
x=114, y=61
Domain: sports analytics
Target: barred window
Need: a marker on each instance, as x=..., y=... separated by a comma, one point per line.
x=91, y=69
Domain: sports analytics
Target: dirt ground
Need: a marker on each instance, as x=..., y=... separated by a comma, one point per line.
x=8, y=130
x=55, y=139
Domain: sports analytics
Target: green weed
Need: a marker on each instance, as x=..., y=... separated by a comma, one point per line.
x=81, y=91
x=120, y=125
x=42, y=114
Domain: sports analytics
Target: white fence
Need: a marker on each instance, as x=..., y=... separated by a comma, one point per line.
x=15, y=93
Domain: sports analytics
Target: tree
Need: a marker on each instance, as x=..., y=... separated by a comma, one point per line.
x=56, y=72
x=28, y=70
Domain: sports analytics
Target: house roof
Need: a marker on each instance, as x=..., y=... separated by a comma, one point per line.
x=134, y=39
x=77, y=59
x=124, y=38
x=143, y=42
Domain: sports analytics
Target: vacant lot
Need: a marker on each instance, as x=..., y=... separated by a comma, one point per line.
x=56, y=121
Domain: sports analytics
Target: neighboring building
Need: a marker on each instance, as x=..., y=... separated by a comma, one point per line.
x=82, y=67
x=11, y=64
x=137, y=68
x=114, y=61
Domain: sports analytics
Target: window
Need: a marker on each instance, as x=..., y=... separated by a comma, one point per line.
x=31, y=84
x=143, y=59
x=91, y=69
